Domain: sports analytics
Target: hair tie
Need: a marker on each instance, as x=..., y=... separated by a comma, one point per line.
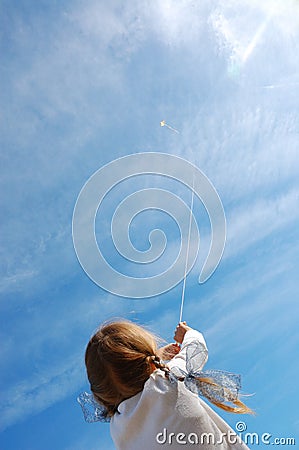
x=155, y=359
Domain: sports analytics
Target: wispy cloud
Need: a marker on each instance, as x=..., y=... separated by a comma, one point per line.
x=255, y=221
x=15, y=281
x=35, y=394
x=99, y=57
x=59, y=374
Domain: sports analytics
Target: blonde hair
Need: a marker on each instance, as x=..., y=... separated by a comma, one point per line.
x=120, y=358
x=239, y=408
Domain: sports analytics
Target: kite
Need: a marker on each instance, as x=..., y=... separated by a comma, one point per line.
x=164, y=124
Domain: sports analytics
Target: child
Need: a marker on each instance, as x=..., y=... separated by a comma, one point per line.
x=151, y=404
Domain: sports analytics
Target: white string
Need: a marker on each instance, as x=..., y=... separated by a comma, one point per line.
x=187, y=255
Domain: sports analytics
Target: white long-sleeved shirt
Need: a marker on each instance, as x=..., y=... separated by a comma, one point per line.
x=168, y=415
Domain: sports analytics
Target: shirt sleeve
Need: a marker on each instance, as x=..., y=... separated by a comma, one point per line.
x=179, y=360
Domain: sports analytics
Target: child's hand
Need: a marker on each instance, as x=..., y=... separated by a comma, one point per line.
x=181, y=331
x=168, y=352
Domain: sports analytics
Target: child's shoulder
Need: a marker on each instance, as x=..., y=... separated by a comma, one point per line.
x=158, y=384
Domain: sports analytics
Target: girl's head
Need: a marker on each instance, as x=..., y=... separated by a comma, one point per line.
x=118, y=360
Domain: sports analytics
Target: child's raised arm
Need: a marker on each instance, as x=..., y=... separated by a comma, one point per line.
x=185, y=335
x=180, y=332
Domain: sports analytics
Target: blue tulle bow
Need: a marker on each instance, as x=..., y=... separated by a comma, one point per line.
x=92, y=410
x=215, y=385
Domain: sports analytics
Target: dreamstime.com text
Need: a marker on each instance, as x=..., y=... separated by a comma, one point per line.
x=249, y=438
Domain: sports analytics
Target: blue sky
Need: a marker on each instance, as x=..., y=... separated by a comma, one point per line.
x=84, y=83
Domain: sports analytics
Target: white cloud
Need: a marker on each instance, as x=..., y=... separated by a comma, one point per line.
x=257, y=220
x=62, y=373
x=15, y=281
x=246, y=315
x=91, y=52
x=41, y=391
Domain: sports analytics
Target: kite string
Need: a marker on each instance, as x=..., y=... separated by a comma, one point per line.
x=187, y=255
